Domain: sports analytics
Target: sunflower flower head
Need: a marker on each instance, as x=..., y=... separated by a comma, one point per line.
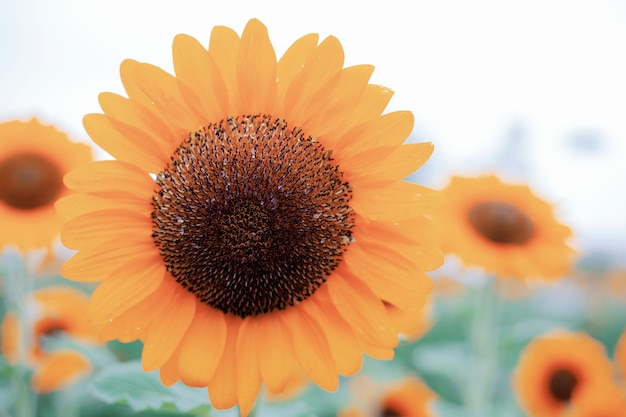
x=504, y=229
x=33, y=160
x=557, y=369
x=255, y=222
x=57, y=310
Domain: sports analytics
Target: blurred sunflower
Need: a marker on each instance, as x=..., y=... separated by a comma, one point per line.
x=555, y=369
x=407, y=397
x=33, y=160
x=232, y=266
x=603, y=401
x=57, y=310
x=504, y=229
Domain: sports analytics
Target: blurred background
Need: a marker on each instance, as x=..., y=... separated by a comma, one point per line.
x=534, y=89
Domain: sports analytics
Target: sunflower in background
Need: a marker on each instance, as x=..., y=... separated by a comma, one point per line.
x=557, y=369
x=279, y=223
x=57, y=310
x=504, y=229
x=405, y=397
x=33, y=160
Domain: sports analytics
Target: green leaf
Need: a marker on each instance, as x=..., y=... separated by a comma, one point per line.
x=127, y=384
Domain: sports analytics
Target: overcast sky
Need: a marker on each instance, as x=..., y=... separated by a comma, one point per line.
x=547, y=76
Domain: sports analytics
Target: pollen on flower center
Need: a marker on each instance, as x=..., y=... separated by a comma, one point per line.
x=561, y=385
x=251, y=215
x=501, y=222
x=29, y=181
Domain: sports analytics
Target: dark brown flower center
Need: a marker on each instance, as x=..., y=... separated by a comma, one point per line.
x=251, y=215
x=29, y=181
x=389, y=412
x=561, y=385
x=501, y=223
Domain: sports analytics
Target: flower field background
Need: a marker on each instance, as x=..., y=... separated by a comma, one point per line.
x=496, y=263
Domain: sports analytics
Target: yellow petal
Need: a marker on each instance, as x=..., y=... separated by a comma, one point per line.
x=292, y=61
x=247, y=366
x=223, y=386
x=125, y=288
x=163, y=336
x=256, y=70
x=202, y=347
x=58, y=369
x=311, y=349
x=200, y=80
x=276, y=364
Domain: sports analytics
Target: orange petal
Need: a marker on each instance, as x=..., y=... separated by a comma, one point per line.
x=388, y=130
x=341, y=101
x=133, y=323
x=162, y=89
x=311, y=348
x=164, y=334
x=150, y=129
x=77, y=204
x=111, y=179
x=247, y=368
x=360, y=307
x=256, y=70
x=292, y=61
x=390, y=281
x=223, y=386
x=125, y=288
x=59, y=368
x=199, y=78
x=168, y=373
x=202, y=347
x=97, y=262
x=103, y=225
x=124, y=142
x=343, y=343
x=224, y=49
x=322, y=65
x=390, y=163
x=275, y=353
x=394, y=200
x=11, y=337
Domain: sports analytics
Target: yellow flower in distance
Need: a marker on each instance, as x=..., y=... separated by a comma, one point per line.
x=58, y=309
x=33, y=160
x=557, y=369
x=504, y=229
x=277, y=225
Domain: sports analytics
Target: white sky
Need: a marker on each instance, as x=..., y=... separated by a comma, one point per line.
x=470, y=70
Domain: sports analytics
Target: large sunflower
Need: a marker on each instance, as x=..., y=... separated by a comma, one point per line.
x=557, y=369
x=33, y=160
x=56, y=310
x=276, y=228
x=503, y=228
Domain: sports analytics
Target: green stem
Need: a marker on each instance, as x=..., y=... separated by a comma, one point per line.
x=484, y=349
x=19, y=285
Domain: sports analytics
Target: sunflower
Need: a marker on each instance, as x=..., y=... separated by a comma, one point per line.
x=605, y=401
x=505, y=229
x=556, y=369
x=255, y=221
x=406, y=397
x=57, y=310
x=33, y=160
